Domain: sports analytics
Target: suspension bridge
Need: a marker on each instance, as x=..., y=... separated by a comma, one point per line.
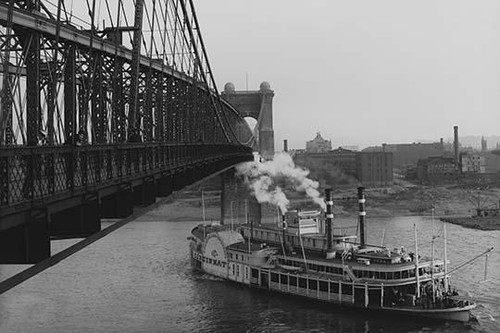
x=106, y=104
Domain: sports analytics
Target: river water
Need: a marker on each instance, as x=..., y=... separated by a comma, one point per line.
x=139, y=279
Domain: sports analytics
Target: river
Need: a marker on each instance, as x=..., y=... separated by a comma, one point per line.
x=138, y=279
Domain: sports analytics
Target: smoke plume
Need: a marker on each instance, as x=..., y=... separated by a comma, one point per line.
x=267, y=180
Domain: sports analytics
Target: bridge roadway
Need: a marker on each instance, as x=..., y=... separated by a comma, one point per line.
x=63, y=191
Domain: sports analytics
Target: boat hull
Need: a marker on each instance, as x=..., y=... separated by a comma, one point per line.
x=452, y=314
x=461, y=314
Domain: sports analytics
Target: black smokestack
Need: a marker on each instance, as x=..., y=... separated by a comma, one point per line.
x=455, y=147
x=285, y=146
x=283, y=228
x=362, y=215
x=329, y=220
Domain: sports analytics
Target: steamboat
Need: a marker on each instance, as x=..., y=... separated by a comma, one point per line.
x=303, y=256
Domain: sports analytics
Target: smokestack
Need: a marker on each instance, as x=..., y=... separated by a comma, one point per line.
x=329, y=223
x=362, y=215
x=285, y=146
x=455, y=147
x=284, y=226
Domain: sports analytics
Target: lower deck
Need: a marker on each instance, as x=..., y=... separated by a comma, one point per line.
x=336, y=291
x=375, y=297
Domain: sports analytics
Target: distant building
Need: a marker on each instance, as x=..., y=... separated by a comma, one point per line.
x=408, y=154
x=318, y=145
x=484, y=145
x=375, y=168
x=371, y=169
x=492, y=161
x=340, y=158
x=349, y=147
x=345, y=159
x=436, y=170
x=472, y=163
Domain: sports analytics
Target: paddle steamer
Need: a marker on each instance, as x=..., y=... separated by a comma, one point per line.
x=305, y=257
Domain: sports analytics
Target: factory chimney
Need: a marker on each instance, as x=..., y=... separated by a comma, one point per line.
x=362, y=215
x=285, y=146
x=329, y=224
x=455, y=148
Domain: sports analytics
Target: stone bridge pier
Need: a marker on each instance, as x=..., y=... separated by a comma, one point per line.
x=238, y=205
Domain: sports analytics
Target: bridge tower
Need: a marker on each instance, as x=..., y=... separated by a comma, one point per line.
x=237, y=204
x=259, y=106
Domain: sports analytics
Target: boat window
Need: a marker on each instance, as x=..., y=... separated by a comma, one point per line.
x=236, y=256
x=302, y=283
x=284, y=279
x=323, y=286
x=412, y=273
x=334, y=287
x=405, y=274
x=383, y=275
x=313, y=285
x=293, y=280
x=397, y=275
x=255, y=273
x=346, y=289
x=389, y=276
x=274, y=277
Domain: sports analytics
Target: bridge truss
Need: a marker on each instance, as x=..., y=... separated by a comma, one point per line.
x=62, y=80
x=102, y=94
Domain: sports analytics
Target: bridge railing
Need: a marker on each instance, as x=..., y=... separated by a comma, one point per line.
x=32, y=173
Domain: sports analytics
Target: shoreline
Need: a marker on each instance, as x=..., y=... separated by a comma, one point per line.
x=479, y=223
x=178, y=212
x=447, y=203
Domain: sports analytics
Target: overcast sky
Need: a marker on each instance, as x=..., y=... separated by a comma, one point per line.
x=362, y=72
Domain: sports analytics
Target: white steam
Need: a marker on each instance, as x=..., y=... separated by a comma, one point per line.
x=265, y=180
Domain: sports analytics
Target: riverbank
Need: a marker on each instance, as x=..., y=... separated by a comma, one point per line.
x=481, y=223
x=455, y=204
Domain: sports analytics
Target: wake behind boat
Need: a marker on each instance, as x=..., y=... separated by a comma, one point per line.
x=304, y=257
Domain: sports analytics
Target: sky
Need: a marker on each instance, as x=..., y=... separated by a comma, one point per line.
x=362, y=72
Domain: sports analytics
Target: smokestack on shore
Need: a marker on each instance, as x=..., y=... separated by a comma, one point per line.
x=329, y=224
x=362, y=215
x=285, y=146
x=455, y=147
